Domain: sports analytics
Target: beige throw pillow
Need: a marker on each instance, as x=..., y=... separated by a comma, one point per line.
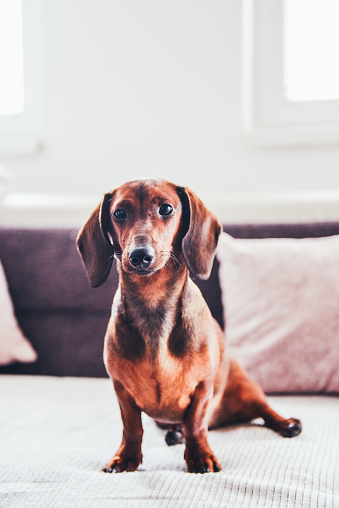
x=281, y=306
x=14, y=347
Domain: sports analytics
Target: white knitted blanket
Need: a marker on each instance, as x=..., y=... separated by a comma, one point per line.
x=57, y=433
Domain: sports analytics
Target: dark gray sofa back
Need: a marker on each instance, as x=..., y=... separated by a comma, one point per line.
x=63, y=317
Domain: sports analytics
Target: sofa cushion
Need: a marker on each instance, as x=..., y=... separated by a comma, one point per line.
x=58, y=433
x=281, y=305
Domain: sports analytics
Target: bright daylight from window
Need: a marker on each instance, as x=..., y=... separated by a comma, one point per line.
x=11, y=58
x=311, y=50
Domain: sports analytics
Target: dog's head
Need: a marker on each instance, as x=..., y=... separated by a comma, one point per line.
x=143, y=224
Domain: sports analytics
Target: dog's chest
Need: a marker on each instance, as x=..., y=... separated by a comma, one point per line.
x=153, y=322
x=157, y=355
x=161, y=387
x=160, y=382
x=157, y=331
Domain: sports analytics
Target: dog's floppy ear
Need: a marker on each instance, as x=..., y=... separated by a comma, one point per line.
x=94, y=245
x=202, y=234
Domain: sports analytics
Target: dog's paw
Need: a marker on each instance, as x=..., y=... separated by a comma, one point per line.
x=121, y=464
x=174, y=437
x=290, y=428
x=204, y=463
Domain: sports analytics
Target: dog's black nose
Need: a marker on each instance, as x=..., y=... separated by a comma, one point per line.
x=142, y=257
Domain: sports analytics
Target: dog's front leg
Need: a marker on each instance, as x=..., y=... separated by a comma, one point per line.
x=129, y=455
x=198, y=454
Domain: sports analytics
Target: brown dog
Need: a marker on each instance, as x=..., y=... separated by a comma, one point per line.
x=163, y=350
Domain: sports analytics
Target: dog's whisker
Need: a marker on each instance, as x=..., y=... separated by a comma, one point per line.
x=175, y=259
x=172, y=260
x=117, y=254
x=169, y=261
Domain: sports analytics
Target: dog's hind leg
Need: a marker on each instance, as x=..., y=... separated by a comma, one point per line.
x=243, y=400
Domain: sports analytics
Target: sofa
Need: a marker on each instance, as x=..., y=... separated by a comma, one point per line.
x=60, y=422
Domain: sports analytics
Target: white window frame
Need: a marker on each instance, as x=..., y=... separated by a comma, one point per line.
x=269, y=118
x=21, y=134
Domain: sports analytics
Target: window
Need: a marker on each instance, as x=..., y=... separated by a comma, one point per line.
x=311, y=50
x=20, y=71
x=11, y=58
x=290, y=71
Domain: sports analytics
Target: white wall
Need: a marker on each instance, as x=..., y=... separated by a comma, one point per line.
x=137, y=88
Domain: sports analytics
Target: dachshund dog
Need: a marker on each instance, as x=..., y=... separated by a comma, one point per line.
x=164, y=351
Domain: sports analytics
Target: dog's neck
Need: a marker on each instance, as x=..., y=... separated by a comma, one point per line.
x=151, y=310
x=148, y=290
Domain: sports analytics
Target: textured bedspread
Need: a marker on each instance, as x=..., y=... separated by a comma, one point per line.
x=57, y=433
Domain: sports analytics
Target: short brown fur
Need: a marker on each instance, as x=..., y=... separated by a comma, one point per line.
x=163, y=349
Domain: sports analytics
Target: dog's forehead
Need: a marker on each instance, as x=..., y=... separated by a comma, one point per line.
x=144, y=191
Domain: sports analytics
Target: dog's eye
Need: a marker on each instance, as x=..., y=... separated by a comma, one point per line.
x=165, y=209
x=120, y=214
